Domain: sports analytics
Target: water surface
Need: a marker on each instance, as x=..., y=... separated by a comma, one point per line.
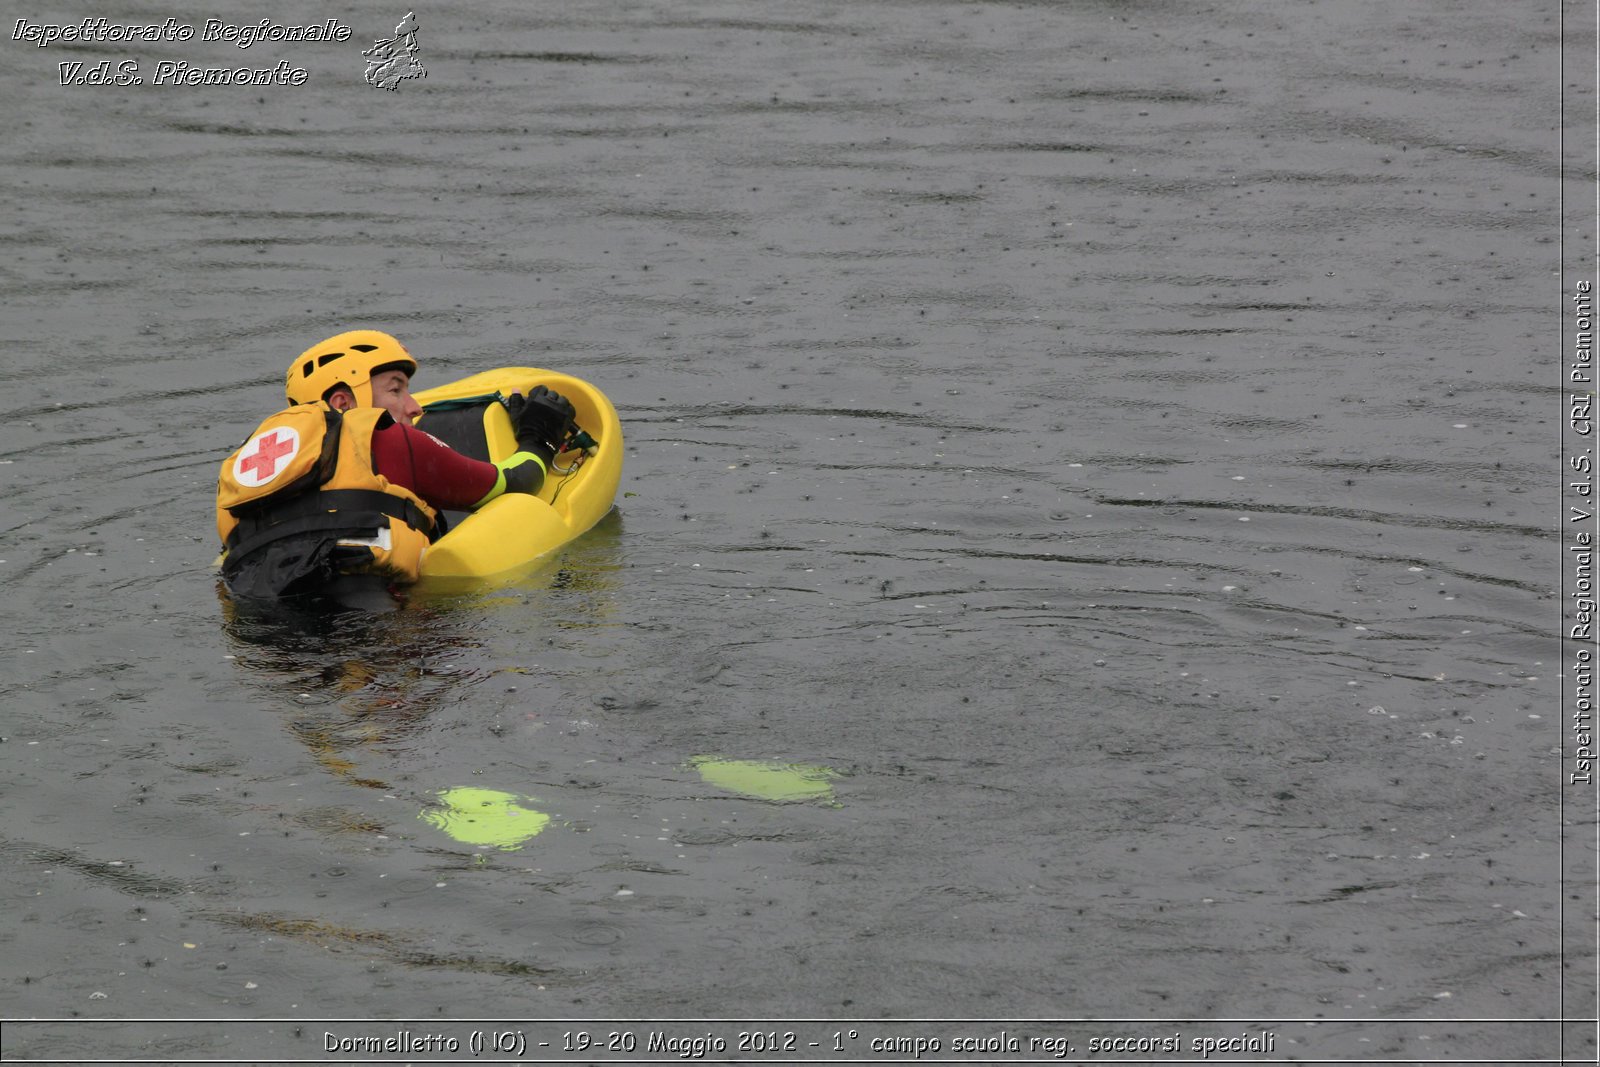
x=1108, y=448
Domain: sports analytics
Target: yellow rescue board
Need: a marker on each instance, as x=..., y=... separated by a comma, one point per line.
x=512, y=531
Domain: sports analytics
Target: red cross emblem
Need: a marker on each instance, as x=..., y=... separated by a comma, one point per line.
x=260, y=465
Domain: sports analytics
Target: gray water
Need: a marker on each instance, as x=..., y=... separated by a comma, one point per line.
x=1118, y=441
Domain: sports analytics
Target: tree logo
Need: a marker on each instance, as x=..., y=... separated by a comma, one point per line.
x=393, y=60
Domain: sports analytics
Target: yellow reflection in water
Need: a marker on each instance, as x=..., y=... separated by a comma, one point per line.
x=485, y=817
x=768, y=779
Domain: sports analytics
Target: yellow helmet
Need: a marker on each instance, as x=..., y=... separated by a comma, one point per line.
x=349, y=359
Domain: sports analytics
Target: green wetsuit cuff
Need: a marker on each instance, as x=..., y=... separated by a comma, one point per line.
x=520, y=472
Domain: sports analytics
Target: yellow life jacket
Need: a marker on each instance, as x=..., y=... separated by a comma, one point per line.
x=308, y=471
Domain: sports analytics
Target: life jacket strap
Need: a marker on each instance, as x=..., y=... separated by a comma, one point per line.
x=353, y=512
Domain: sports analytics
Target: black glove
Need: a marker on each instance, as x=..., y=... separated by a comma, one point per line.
x=542, y=421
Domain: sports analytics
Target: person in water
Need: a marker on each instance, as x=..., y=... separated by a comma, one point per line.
x=341, y=483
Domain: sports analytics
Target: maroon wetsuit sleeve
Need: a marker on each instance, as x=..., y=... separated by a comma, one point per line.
x=428, y=467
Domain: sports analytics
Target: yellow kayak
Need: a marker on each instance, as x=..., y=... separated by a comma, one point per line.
x=512, y=530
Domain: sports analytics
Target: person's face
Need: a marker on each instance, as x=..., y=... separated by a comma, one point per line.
x=391, y=391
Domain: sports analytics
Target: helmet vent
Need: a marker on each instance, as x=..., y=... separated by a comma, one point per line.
x=323, y=361
x=365, y=348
